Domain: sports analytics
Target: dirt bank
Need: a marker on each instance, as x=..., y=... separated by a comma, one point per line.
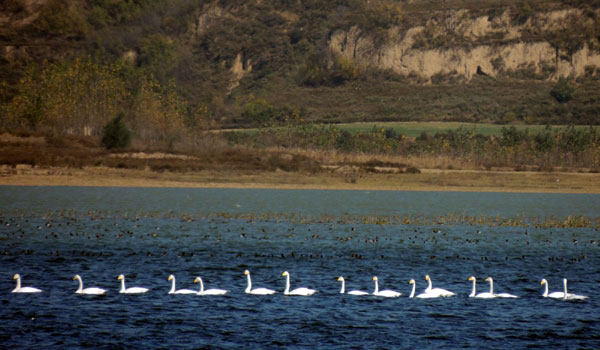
x=427, y=180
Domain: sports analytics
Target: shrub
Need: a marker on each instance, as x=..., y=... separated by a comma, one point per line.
x=115, y=134
x=413, y=170
x=544, y=141
x=512, y=137
x=562, y=91
x=259, y=112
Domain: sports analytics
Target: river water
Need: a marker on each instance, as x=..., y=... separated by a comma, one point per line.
x=49, y=234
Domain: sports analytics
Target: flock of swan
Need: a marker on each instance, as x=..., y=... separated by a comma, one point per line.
x=429, y=292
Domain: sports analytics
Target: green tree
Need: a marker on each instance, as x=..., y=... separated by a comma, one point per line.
x=512, y=137
x=562, y=91
x=544, y=141
x=259, y=112
x=116, y=134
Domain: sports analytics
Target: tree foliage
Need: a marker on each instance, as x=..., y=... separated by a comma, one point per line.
x=74, y=97
x=116, y=134
x=563, y=90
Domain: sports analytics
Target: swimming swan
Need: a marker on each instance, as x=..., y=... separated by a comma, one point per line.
x=298, y=291
x=352, y=292
x=420, y=296
x=570, y=296
x=499, y=295
x=384, y=293
x=208, y=291
x=89, y=291
x=181, y=291
x=555, y=295
x=20, y=289
x=132, y=290
x=414, y=287
x=436, y=292
x=480, y=295
x=257, y=291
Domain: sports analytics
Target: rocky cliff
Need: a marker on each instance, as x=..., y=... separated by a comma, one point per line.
x=457, y=45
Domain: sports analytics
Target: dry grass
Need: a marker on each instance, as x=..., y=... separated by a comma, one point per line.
x=74, y=161
x=428, y=180
x=422, y=162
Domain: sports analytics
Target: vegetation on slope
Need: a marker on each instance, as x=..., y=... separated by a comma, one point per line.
x=175, y=68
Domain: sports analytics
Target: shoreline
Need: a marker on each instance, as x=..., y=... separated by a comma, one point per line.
x=428, y=180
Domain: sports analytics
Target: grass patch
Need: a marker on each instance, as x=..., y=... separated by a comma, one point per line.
x=415, y=129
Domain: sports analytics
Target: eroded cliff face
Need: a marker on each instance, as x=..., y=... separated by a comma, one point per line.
x=547, y=46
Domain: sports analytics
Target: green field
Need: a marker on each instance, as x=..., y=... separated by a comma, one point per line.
x=414, y=129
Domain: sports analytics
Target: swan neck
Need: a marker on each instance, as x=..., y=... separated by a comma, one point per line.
x=201, y=286
x=122, y=285
x=343, y=287
x=412, y=293
x=429, y=286
x=376, y=287
x=565, y=287
x=80, y=284
x=249, y=288
x=172, y=286
x=474, y=291
x=492, y=287
x=287, y=284
x=18, y=283
x=545, y=290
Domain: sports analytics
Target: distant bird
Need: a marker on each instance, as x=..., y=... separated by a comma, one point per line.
x=20, y=289
x=352, y=292
x=436, y=292
x=89, y=291
x=298, y=291
x=209, y=291
x=181, y=291
x=132, y=290
x=499, y=295
x=480, y=295
x=257, y=291
x=384, y=293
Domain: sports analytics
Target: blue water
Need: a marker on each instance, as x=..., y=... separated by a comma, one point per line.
x=49, y=234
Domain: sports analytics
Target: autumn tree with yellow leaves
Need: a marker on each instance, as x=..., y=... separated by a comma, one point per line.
x=76, y=97
x=79, y=97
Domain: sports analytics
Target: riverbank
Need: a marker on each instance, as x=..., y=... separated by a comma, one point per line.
x=426, y=180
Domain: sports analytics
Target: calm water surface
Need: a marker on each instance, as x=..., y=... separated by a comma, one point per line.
x=48, y=234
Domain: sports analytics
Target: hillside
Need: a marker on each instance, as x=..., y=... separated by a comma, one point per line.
x=174, y=67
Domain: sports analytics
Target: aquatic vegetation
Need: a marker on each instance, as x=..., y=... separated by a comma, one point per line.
x=451, y=219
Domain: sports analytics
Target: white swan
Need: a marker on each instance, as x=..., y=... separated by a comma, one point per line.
x=420, y=296
x=414, y=287
x=555, y=295
x=181, y=291
x=480, y=295
x=132, y=290
x=89, y=291
x=298, y=291
x=257, y=291
x=352, y=292
x=499, y=295
x=384, y=293
x=436, y=292
x=209, y=291
x=20, y=289
x=570, y=296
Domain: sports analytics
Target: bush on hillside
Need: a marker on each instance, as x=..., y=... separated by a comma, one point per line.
x=115, y=134
x=562, y=91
